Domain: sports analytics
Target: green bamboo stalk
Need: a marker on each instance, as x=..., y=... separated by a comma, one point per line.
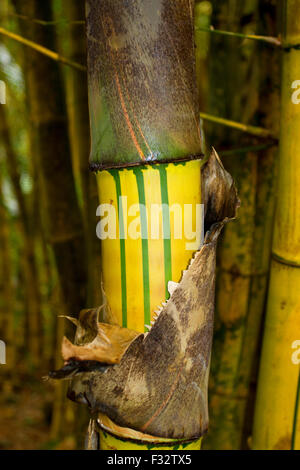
x=265, y=39
x=248, y=129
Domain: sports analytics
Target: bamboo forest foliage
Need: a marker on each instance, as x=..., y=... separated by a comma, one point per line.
x=73, y=92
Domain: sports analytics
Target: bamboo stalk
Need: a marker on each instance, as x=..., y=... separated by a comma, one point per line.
x=62, y=220
x=7, y=292
x=41, y=49
x=265, y=39
x=133, y=136
x=47, y=23
x=245, y=249
x=277, y=423
x=250, y=148
x=31, y=280
x=61, y=216
x=76, y=90
x=146, y=144
x=252, y=130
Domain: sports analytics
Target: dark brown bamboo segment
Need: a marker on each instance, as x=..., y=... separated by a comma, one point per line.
x=142, y=81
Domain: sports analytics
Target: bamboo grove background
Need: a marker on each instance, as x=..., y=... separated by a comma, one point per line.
x=49, y=253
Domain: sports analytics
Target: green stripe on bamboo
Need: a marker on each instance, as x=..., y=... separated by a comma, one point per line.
x=144, y=235
x=116, y=176
x=166, y=226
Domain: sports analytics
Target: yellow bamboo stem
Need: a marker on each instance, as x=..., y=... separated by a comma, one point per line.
x=244, y=253
x=277, y=423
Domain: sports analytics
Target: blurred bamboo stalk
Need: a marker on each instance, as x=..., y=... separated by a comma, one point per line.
x=76, y=91
x=72, y=42
x=61, y=215
x=266, y=39
x=62, y=218
x=7, y=303
x=277, y=421
x=43, y=50
x=252, y=130
x=245, y=249
x=29, y=262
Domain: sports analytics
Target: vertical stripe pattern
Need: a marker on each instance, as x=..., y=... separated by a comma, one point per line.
x=116, y=176
x=144, y=234
x=136, y=270
x=166, y=226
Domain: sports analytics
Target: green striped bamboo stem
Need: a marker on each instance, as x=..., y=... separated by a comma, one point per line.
x=146, y=147
x=143, y=118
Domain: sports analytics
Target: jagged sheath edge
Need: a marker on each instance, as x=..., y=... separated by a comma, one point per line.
x=160, y=385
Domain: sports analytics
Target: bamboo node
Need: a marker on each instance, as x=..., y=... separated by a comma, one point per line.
x=287, y=262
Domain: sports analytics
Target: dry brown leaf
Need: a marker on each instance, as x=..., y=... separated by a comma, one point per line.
x=108, y=346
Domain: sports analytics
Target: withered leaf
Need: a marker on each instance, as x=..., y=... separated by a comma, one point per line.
x=108, y=346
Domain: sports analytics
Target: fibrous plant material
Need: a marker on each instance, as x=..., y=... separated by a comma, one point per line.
x=159, y=387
